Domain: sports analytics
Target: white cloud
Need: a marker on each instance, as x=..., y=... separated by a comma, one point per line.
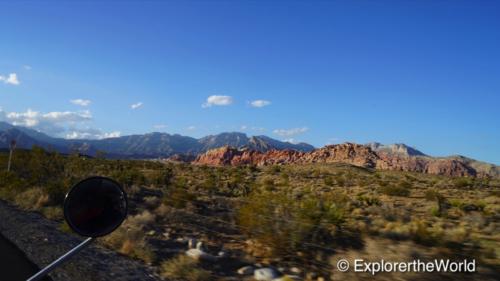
x=66, y=124
x=260, y=103
x=114, y=134
x=51, y=122
x=136, y=105
x=81, y=102
x=160, y=126
x=10, y=79
x=29, y=118
x=243, y=128
x=27, y=67
x=290, y=132
x=291, y=140
x=90, y=133
x=218, y=101
x=67, y=116
x=191, y=128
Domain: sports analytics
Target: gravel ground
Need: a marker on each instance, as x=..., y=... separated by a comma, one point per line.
x=42, y=242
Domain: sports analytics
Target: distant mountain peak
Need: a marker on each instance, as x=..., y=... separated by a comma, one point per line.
x=400, y=149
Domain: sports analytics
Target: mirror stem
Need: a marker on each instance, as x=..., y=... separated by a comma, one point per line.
x=61, y=259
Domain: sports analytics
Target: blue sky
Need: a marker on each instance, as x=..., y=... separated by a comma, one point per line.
x=425, y=73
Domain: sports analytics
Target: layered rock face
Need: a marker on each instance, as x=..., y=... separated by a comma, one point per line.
x=350, y=153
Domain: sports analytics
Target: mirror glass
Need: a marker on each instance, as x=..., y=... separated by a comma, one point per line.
x=95, y=206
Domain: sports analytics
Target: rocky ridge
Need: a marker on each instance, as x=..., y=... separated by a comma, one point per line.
x=350, y=153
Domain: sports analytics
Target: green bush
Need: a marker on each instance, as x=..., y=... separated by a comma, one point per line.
x=394, y=190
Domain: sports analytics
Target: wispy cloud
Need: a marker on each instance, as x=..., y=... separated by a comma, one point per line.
x=81, y=102
x=136, y=105
x=290, y=132
x=91, y=134
x=191, y=128
x=27, y=67
x=10, y=79
x=260, y=103
x=32, y=118
x=66, y=124
x=216, y=100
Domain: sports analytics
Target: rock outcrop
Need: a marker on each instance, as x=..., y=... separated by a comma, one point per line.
x=350, y=153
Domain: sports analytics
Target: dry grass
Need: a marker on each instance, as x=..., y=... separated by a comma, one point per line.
x=183, y=268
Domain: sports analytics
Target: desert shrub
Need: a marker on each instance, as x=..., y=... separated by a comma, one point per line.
x=151, y=202
x=421, y=234
x=369, y=200
x=184, y=268
x=141, y=220
x=138, y=249
x=442, y=203
x=129, y=177
x=469, y=205
x=432, y=195
x=129, y=239
x=394, y=190
x=56, y=192
x=10, y=185
x=161, y=178
x=64, y=227
x=328, y=181
x=285, y=179
x=275, y=169
x=53, y=213
x=268, y=184
x=178, y=197
x=340, y=180
x=32, y=199
x=382, y=183
x=436, y=212
x=462, y=183
x=285, y=226
x=210, y=183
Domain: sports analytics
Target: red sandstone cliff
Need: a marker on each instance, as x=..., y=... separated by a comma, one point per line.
x=350, y=153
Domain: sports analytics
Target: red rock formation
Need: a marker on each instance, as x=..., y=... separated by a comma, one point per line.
x=350, y=153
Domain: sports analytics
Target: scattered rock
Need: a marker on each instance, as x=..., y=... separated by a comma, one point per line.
x=266, y=274
x=222, y=254
x=199, y=254
x=246, y=270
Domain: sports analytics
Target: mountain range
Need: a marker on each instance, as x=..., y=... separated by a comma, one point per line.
x=150, y=145
x=236, y=148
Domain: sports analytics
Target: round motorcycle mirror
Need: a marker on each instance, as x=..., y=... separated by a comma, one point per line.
x=95, y=206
